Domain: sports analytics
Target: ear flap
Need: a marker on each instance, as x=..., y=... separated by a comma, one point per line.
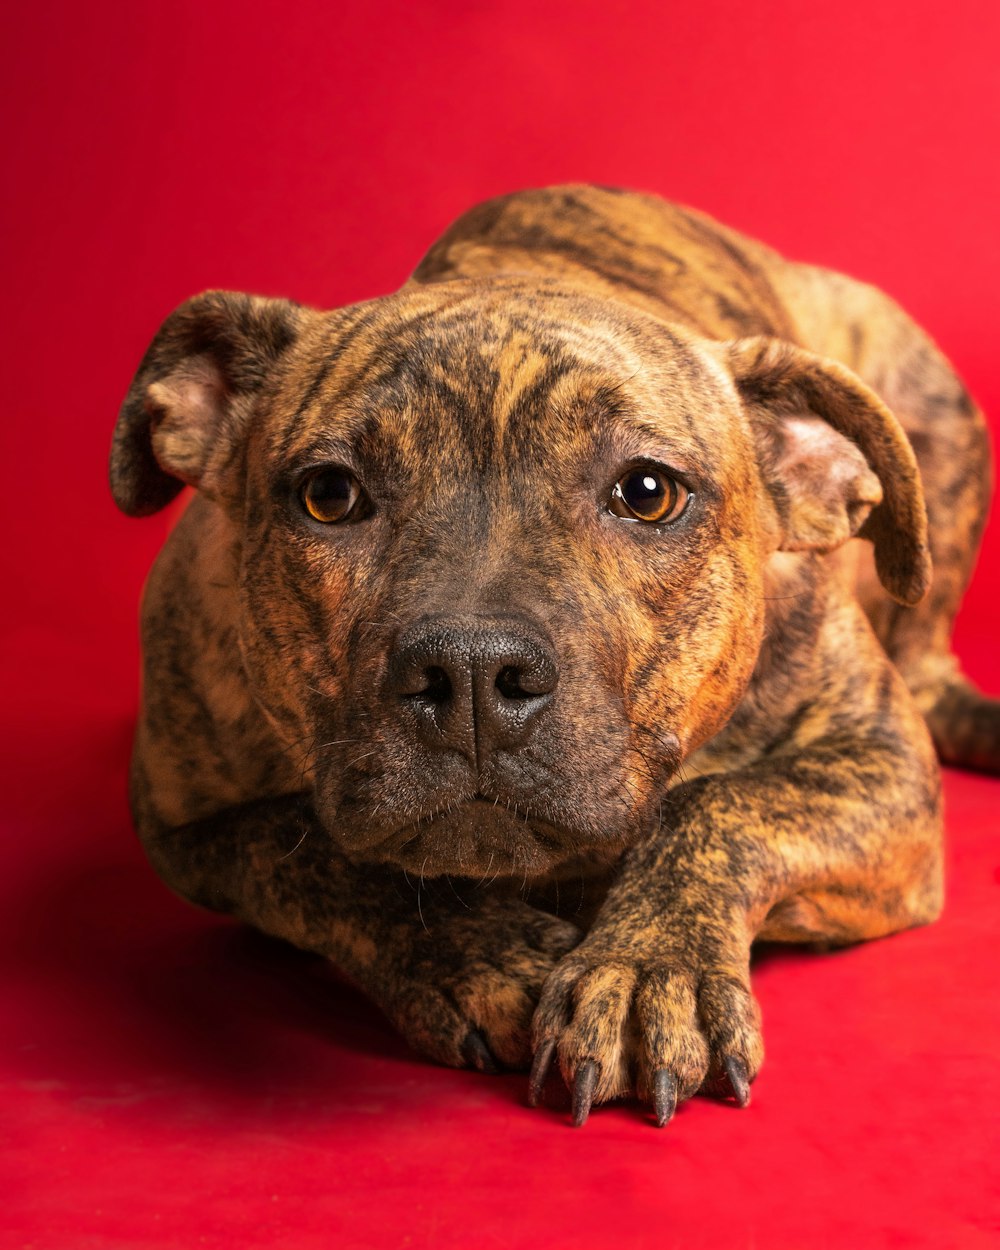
x=186, y=411
x=835, y=459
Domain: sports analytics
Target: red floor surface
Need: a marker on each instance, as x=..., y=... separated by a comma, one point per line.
x=168, y=1080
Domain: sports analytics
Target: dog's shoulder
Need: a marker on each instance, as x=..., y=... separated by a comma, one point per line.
x=202, y=738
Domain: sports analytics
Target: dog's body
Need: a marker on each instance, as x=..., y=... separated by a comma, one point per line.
x=518, y=588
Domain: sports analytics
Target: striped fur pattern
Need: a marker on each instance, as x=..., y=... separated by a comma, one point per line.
x=735, y=735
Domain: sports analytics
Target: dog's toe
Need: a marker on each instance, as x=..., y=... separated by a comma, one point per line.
x=623, y=1024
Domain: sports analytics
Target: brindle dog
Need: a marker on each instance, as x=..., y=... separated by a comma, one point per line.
x=501, y=656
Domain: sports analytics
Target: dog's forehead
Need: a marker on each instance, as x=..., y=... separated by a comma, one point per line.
x=501, y=375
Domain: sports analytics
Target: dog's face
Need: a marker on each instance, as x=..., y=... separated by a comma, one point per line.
x=503, y=550
x=498, y=661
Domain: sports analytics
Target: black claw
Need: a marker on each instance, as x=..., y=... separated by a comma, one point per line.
x=583, y=1091
x=477, y=1055
x=736, y=1071
x=540, y=1070
x=664, y=1097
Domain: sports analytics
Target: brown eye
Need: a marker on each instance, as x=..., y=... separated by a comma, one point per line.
x=331, y=495
x=648, y=494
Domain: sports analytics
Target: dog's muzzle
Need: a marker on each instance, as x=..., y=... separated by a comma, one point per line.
x=475, y=759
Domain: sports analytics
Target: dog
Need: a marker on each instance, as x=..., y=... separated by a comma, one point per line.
x=543, y=634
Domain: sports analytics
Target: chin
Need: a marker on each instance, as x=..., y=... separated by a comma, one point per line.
x=478, y=838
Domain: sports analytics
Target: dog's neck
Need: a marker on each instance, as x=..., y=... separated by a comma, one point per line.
x=809, y=614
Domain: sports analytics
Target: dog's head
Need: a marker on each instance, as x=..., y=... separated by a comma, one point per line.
x=503, y=546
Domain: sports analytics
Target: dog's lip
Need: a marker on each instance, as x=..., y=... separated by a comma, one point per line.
x=522, y=812
x=528, y=821
x=480, y=799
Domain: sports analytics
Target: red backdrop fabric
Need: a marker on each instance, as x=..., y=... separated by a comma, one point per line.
x=172, y=1081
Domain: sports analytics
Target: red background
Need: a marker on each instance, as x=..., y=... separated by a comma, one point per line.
x=169, y=1080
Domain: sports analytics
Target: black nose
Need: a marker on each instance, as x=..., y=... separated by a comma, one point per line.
x=472, y=684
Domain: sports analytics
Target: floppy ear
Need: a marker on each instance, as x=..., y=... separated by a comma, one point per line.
x=835, y=460
x=186, y=412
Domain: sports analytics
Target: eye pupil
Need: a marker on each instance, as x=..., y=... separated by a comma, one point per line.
x=330, y=495
x=641, y=490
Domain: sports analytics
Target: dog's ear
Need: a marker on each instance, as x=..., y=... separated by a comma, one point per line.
x=835, y=460
x=186, y=412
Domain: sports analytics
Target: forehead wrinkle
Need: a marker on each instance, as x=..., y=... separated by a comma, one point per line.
x=590, y=417
x=632, y=433
x=548, y=371
x=519, y=365
x=387, y=334
x=315, y=361
x=681, y=398
x=383, y=447
x=488, y=374
x=531, y=428
x=344, y=357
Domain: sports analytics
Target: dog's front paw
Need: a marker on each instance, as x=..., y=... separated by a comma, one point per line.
x=654, y=1024
x=467, y=994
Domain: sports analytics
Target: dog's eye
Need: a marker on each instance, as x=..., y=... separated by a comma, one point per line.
x=331, y=495
x=648, y=494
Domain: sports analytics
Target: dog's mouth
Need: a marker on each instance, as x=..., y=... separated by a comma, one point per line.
x=521, y=815
x=479, y=837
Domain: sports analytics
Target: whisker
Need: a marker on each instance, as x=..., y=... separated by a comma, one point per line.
x=420, y=884
x=289, y=854
x=482, y=881
x=447, y=877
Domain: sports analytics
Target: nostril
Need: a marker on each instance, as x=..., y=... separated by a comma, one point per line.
x=512, y=683
x=508, y=682
x=438, y=685
x=432, y=685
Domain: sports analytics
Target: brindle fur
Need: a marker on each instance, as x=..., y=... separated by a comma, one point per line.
x=729, y=753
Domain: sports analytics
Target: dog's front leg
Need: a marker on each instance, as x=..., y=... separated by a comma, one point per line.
x=459, y=976
x=835, y=843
